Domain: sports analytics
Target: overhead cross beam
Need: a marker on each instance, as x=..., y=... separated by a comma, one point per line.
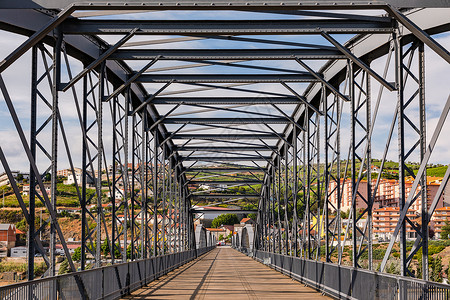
x=223, y=78
x=223, y=196
x=236, y=120
x=225, y=148
x=243, y=181
x=223, y=27
x=213, y=136
x=226, y=54
x=226, y=100
x=249, y=5
x=222, y=169
x=225, y=158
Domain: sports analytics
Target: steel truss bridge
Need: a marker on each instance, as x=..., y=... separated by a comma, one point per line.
x=280, y=97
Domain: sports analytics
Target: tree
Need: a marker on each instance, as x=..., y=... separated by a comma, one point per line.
x=220, y=237
x=225, y=219
x=64, y=267
x=436, y=269
x=445, y=233
x=76, y=256
x=344, y=215
x=252, y=216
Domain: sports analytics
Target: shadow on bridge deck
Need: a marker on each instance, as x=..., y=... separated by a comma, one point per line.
x=224, y=273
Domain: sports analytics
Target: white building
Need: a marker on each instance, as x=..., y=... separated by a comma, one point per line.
x=19, y=252
x=79, y=178
x=4, y=180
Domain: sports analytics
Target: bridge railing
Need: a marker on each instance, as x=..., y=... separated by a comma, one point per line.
x=345, y=282
x=109, y=282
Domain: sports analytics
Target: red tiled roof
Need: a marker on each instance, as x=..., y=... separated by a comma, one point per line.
x=229, y=227
x=215, y=208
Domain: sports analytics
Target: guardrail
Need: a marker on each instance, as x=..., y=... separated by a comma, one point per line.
x=344, y=282
x=110, y=282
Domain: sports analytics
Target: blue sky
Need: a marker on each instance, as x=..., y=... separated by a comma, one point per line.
x=18, y=76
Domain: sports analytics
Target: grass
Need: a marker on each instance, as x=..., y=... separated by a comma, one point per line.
x=436, y=171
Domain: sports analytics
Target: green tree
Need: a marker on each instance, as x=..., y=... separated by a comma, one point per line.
x=76, y=256
x=252, y=216
x=105, y=247
x=220, y=237
x=436, y=269
x=225, y=219
x=64, y=267
x=445, y=233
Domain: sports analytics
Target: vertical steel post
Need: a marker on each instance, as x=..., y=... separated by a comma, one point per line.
x=144, y=188
x=54, y=168
x=401, y=148
x=32, y=195
x=295, y=191
x=308, y=182
x=164, y=195
x=369, y=197
x=280, y=246
x=286, y=195
x=83, y=179
x=101, y=88
x=126, y=177
x=423, y=149
x=114, y=225
x=338, y=177
x=327, y=182
x=353, y=121
x=155, y=192
x=133, y=194
x=318, y=193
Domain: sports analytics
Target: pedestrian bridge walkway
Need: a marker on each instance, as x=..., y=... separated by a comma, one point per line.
x=225, y=273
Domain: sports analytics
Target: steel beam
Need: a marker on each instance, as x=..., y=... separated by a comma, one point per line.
x=225, y=54
x=226, y=100
x=227, y=136
x=241, y=181
x=223, y=196
x=221, y=5
x=223, y=27
x=228, y=211
x=222, y=169
x=420, y=34
x=99, y=60
x=225, y=148
x=225, y=158
x=236, y=120
x=357, y=61
x=223, y=78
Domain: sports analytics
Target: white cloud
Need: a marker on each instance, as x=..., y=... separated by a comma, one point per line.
x=18, y=78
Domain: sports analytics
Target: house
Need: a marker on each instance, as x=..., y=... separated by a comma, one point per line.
x=70, y=210
x=385, y=220
x=79, y=179
x=60, y=250
x=17, y=175
x=8, y=235
x=216, y=232
x=229, y=229
x=439, y=219
x=26, y=189
x=246, y=221
x=19, y=252
x=67, y=172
